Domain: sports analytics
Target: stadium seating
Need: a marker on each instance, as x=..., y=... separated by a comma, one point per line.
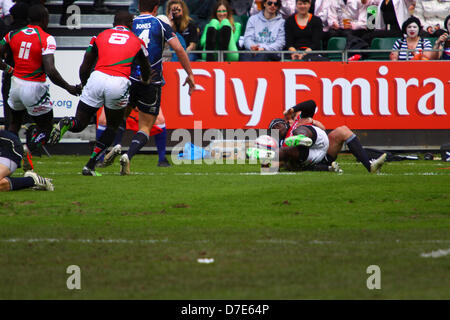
x=336, y=43
x=381, y=44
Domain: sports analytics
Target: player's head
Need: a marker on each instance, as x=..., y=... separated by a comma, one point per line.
x=281, y=125
x=148, y=5
x=19, y=11
x=38, y=15
x=123, y=18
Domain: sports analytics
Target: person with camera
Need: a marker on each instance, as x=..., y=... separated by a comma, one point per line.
x=443, y=42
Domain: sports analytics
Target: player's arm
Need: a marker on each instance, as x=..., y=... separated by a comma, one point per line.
x=3, y=65
x=90, y=57
x=184, y=60
x=146, y=70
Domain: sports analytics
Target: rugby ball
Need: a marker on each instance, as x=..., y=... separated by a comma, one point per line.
x=266, y=142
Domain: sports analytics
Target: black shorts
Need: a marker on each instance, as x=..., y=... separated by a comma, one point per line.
x=147, y=98
x=11, y=147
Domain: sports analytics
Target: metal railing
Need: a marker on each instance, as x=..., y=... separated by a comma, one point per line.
x=345, y=54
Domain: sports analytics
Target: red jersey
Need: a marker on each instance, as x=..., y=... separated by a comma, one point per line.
x=117, y=48
x=297, y=123
x=28, y=45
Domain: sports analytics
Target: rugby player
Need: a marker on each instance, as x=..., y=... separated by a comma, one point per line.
x=11, y=153
x=112, y=52
x=306, y=146
x=33, y=53
x=147, y=98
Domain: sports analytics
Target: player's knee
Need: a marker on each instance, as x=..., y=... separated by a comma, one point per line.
x=4, y=185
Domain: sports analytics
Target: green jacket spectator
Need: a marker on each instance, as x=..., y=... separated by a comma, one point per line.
x=221, y=33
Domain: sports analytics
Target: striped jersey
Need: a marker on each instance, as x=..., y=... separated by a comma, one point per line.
x=402, y=45
x=28, y=45
x=117, y=47
x=155, y=34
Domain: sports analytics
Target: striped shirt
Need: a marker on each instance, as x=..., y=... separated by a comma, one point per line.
x=402, y=45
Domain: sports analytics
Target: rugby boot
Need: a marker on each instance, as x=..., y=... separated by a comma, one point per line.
x=298, y=140
x=40, y=183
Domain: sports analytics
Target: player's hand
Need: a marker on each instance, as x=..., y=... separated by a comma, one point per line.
x=73, y=90
x=289, y=114
x=79, y=88
x=190, y=81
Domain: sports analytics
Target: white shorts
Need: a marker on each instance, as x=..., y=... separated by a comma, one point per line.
x=318, y=150
x=30, y=95
x=11, y=165
x=105, y=90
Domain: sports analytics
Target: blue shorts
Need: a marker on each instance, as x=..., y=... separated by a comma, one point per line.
x=147, y=98
x=11, y=147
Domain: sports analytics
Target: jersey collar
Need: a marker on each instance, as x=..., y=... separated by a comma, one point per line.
x=120, y=27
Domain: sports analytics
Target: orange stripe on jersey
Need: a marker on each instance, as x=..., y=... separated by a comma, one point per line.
x=117, y=48
x=28, y=45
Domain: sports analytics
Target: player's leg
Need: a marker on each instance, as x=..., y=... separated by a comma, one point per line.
x=161, y=140
x=342, y=134
x=41, y=135
x=147, y=99
x=113, y=119
x=302, y=136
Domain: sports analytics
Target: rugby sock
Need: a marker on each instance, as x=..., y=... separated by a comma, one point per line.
x=160, y=141
x=120, y=132
x=100, y=147
x=357, y=150
x=75, y=125
x=139, y=140
x=99, y=132
x=20, y=183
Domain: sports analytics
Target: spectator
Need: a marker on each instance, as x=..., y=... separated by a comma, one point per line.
x=5, y=6
x=392, y=14
x=168, y=54
x=200, y=11
x=221, y=33
x=321, y=8
x=431, y=13
x=134, y=8
x=443, y=41
x=99, y=7
x=287, y=8
x=348, y=16
x=241, y=7
x=265, y=32
x=412, y=41
x=178, y=14
x=303, y=30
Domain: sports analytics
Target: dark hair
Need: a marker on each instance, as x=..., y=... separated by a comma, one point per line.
x=445, y=23
x=123, y=18
x=410, y=20
x=19, y=11
x=37, y=13
x=227, y=5
x=148, y=5
x=276, y=121
x=279, y=4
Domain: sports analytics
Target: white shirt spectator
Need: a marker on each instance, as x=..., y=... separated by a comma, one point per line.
x=432, y=12
x=401, y=11
x=5, y=6
x=354, y=10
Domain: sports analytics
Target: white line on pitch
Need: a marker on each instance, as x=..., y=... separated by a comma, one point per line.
x=436, y=254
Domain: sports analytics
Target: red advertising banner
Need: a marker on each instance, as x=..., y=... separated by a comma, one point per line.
x=361, y=95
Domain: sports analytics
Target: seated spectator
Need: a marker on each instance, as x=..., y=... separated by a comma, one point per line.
x=168, y=53
x=287, y=8
x=265, y=32
x=181, y=22
x=200, y=11
x=443, y=41
x=241, y=7
x=5, y=6
x=431, y=13
x=303, y=31
x=221, y=33
x=392, y=14
x=411, y=28
x=350, y=17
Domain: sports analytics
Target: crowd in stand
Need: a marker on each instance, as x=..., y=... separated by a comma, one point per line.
x=263, y=28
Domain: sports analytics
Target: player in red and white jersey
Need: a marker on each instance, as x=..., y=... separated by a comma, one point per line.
x=33, y=52
x=112, y=52
x=306, y=146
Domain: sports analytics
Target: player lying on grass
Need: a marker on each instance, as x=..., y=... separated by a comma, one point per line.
x=11, y=152
x=306, y=146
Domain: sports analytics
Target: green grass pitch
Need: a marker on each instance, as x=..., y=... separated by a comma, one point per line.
x=309, y=235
